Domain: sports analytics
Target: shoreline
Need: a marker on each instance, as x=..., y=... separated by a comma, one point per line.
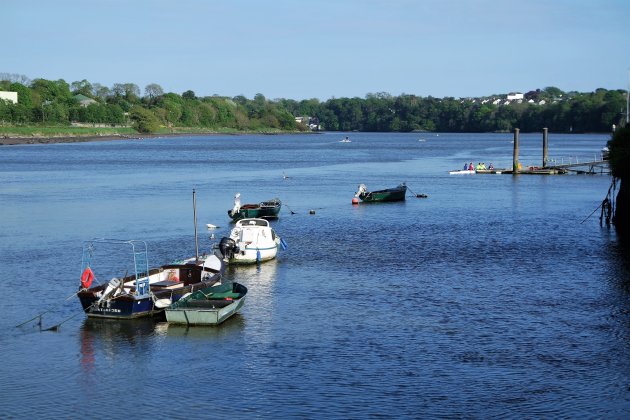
x=13, y=141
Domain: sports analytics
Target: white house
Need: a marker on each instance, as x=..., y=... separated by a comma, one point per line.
x=9, y=96
x=84, y=101
x=515, y=96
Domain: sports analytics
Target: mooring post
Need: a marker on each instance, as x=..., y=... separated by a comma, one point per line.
x=545, y=146
x=515, y=164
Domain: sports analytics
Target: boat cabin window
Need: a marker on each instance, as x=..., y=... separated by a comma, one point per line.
x=256, y=223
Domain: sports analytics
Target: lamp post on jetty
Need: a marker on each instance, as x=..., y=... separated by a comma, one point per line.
x=515, y=164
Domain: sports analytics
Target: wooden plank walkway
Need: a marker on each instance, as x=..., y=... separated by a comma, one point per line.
x=590, y=167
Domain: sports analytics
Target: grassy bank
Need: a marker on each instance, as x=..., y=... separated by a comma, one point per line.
x=28, y=131
x=12, y=135
x=63, y=131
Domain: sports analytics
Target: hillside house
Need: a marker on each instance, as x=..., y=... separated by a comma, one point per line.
x=9, y=96
x=515, y=96
x=83, y=100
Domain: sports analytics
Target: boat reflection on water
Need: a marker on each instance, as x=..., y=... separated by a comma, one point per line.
x=111, y=338
x=234, y=325
x=262, y=274
x=260, y=281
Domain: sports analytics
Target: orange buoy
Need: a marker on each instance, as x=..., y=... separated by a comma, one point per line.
x=355, y=200
x=86, y=278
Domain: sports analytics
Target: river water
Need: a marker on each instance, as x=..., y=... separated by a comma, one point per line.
x=496, y=296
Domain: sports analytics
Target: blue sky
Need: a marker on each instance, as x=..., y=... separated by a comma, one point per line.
x=324, y=48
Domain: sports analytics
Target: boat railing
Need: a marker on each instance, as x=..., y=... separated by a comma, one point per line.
x=139, y=252
x=576, y=160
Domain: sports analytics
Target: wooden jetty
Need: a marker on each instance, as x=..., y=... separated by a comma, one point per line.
x=529, y=170
x=587, y=167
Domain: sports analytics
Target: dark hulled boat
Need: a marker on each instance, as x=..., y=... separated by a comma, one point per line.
x=146, y=292
x=266, y=209
x=391, y=194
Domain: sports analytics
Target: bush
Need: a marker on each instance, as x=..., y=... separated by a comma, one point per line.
x=619, y=147
x=144, y=121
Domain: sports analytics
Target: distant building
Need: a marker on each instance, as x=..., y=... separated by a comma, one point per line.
x=515, y=96
x=9, y=96
x=83, y=100
x=311, y=122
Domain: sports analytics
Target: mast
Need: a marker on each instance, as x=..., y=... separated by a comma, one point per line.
x=195, y=217
x=627, y=97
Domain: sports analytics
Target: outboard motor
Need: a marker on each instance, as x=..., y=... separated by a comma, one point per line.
x=228, y=247
x=362, y=190
x=111, y=289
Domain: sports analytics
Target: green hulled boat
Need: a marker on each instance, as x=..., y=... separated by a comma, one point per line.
x=209, y=306
x=266, y=209
x=391, y=194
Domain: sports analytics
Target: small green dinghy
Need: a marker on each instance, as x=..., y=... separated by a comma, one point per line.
x=209, y=306
x=267, y=209
x=390, y=194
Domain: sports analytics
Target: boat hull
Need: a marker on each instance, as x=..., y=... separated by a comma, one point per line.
x=251, y=255
x=210, y=306
x=209, y=316
x=252, y=240
x=265, y=210
x=391, y=194
x=127, y=308
x=129, y=305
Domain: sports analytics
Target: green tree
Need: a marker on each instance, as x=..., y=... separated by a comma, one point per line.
x=101, y=92
x=144, y=121
x=52, y=90
x=24, y=94
x=189, y=94
x=83, y=87
x=153, y=91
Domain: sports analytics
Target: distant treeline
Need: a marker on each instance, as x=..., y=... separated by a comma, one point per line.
x=43, y=101
x=551, y=108
x=56, y=102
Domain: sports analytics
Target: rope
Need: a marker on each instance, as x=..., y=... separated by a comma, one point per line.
x=593, y=213
x=56, y=327
x=607, y=206
x=46, y=311
x=417, y=195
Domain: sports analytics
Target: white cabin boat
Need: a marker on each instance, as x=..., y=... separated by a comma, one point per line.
x=251, y=241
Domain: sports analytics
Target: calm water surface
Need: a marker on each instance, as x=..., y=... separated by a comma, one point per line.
x=496, y=296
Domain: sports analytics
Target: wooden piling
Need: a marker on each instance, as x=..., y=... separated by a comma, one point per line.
x=515, y=163
x=545, y=146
